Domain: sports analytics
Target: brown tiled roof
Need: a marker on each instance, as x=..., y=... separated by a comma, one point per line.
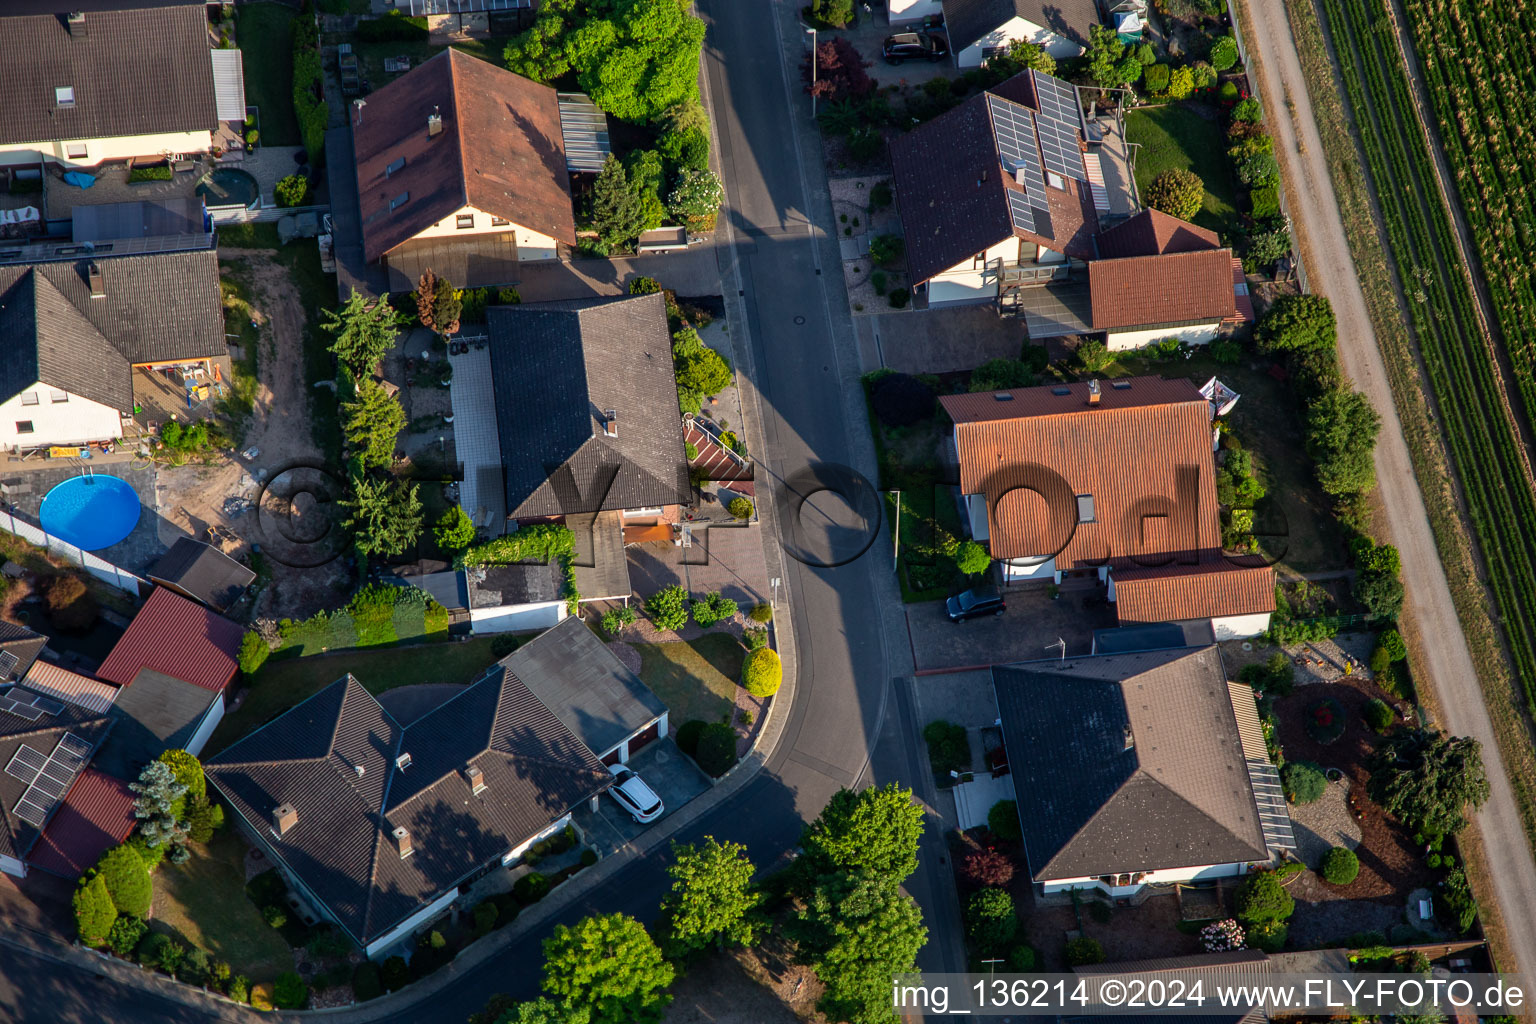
x=1210, y=589
x=1153, y=232
x=179, y=638
x=1143, y=452
x=500, y=150
x=1134, y=763
x=1152, y=291
x=97, y=815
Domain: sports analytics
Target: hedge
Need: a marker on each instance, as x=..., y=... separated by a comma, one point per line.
x=762, y=672
x=378, y=614
x=160, y=172
x=394, y=27
x=539, y=543
x=717, y=749
x=309, y=106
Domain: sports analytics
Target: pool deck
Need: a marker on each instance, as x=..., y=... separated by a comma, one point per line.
x=136, y=552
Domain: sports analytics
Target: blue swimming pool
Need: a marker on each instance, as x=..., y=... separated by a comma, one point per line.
x=90, y=512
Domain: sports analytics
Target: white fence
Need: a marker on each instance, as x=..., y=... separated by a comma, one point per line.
x=242, y=215
x=102, y=569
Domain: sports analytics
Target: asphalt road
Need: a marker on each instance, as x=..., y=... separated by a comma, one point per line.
x=852, y=719
x=1447, y=661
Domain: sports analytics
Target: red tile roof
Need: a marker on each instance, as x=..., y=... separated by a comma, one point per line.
x=97, y=815
x=178, y=637
x=1210, y=589
x=1153, y=233
x=1151, y=291
x=55, y=681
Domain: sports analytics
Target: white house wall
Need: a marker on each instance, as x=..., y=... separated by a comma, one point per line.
x=1019, y=570
x=1240, y=627
x=76, y=420
x=210, y=722
x=1017, y=28
x=13, y=867
x=515, y=617
x=531, y=245
x=410, y=924
x=517, y=851
x=1165, y=876
x=972, y=281
x=97, y=150
x=1124, y=341
x=902, y=12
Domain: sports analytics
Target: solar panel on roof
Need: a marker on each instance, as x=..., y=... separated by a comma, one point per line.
x=32, y=813
x=52, y=779
x=1058, y=99
x=1013, y=127
x=1059, y=123
x=50, y=787
x=1020, y=212
x=48, y=707
x=25, y=764
x=75, y=746
x=16, y=707
x=8, y=663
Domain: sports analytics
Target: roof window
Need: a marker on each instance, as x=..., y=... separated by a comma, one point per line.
x=64, y=96
x=399, y=201
x=1121, y=385
x=398, y=165
x=1061, y=392
x=1085, y=508
x=1002, y=396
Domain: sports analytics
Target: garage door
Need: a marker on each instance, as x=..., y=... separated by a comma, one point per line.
x=612, y=757
x=644, y=736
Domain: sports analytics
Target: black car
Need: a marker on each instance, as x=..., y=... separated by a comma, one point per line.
x=914, y=46
x=973, y=604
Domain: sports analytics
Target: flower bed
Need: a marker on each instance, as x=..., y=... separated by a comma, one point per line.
x=1325, y=720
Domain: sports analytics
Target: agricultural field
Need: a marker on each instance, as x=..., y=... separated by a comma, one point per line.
x=1479, y=434
x=1480, y=86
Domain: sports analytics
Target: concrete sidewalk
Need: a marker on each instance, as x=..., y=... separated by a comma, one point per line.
x=694, y=272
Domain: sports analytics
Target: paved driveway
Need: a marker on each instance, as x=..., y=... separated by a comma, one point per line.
x=939, y=340
x=725, y=558
x=1031, y=622
x=667, y=770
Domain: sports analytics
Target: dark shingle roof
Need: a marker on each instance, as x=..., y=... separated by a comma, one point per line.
x=576, y=676
x=156, y=308
x=969, y=20
x=342, y=848
x=42, y=735
x=498, y=586
x=203, y=572
x=24, y=644
x=155, y=714
x=1152, y=233
x=1134, y=762
x=136, y=69
x=558, y=367
x=500, y=150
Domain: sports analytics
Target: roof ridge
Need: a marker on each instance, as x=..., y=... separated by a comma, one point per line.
x=458, y=124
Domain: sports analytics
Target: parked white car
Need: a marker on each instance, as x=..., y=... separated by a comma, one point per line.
x=631, y=793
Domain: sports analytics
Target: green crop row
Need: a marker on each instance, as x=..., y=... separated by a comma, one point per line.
x=1441, y=312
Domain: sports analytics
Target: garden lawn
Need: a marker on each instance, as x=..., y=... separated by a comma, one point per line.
x=370, y=56
x=1176, y=136
x=203, y=902
x=261, y=31
x=695, y=679
x=284, y=682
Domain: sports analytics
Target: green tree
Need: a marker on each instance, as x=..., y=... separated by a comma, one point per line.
x=701, y=371
x=615, y=210
x=1093, y=356
x=1297, y=323
x=1265, y=247
x=372, y=422
x=289, y=991
x=1110, y=63
x=684, y=138
x=644, y=171
x=973, y=559
x=254, y=651
x=383, y=515
x=159, y=803
x=1177, y=192
x=189, y=772
x=1019, y=56
x=762, y=672
x=610, y=966
x=712, y=903
x=1181, y=83
x=1341, y=438
x=696, y=198
x=203, y=819
x=999, y=375
x=127, y=880
x=364, y=331
x=292, y=190
x=544, y=1011
x=94, y=910
x=1263, y=898
x=1304, y=782
x=668, y=607
x=1224, y=53
x=1428, y=780
x=990, y=921
x=857, y=930
x=873, y=831
x=455, y=531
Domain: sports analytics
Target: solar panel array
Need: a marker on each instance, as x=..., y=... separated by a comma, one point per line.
x=8, y=663
x=52, y=778
x=1013, y=127
x=20, y=708
x=49, y=707
x=1059, y=122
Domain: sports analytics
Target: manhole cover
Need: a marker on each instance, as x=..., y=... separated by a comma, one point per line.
x=799, y=320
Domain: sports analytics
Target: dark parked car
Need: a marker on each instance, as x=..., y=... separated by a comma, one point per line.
x=914, y=46
x=973, y=604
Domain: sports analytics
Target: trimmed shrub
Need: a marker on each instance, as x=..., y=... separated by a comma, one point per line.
x=1021, y=959
x=990, y=921
x=1304, y=782
x=292, y=190
x=1155, y=78
x=1262, y=898
x=1083, y=951
x=274, y=915
x=668, y=607
x=949, y=749
x=1325, y=720
x=1340, y=866
x=900, y=400
x=717, y=749
x=127, y=880
x=95, y=913
x=740, y=508
x=1265, y=202
x=125, y=934
x=1227, y=93
x=254, y=652
x=531, y=888
x=150, y=855
x=972, y=559
x=761, y=613
x=1177, y=192
x=485, y=917
x=987, y=867
x=1224, y=53
x=1378, y=715
x=615, y=619
x=1269, y=936
x=239, y=988
x=755, y=637
x=196, y=968
x=289, y=991
x=1391, y=641
x=588, y=857
x=899, y=298
x=688, y=736
x=1003, y=820
x=762, y=672
x=887, y=250
x=395, y=973
x=1221, y=936
x=713, y=608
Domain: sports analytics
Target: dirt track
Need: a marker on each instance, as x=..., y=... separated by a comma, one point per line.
x=1447, y=665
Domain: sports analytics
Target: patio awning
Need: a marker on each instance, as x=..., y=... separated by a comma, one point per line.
x=585, y=131
x=228, y=84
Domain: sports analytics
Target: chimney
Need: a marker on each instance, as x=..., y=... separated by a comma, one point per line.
x=76, y=21
x=611, y=423
x=476, y=779
x=434, y=123
x=98, y=285
x=1130, y=739
x=361, y=771
x=402, y=841
x=403, y=762
x=284, y=817
x=1094, y=394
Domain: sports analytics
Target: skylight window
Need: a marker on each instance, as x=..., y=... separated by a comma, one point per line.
x=64, y=96
x=398, y=165
x=1085, y=508
x=399, y=201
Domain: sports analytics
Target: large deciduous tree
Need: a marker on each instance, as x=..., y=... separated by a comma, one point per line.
x=1341, y=438
x=1428, y=780
x=712, y=903
x=856, y=931
x=1111, y=64
x=873, y=832
x=608, y=965
x=1297, y=323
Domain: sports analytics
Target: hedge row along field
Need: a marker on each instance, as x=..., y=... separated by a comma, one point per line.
x=1479, y=76
x=1479, y=436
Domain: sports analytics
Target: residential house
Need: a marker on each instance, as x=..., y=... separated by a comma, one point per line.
x=376, y=825
x=588, y=423
x=19, y=649
x=979, y=29
x=96, y=816
x=1138, y=770
x=577, y=677
x=75, y=331
x=202, y=573
x=1016, y=197
x=461, y=169
x=485, y=599
x=1088, y=483
x=44, y=745
x=86, y=81
x=173, y=665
